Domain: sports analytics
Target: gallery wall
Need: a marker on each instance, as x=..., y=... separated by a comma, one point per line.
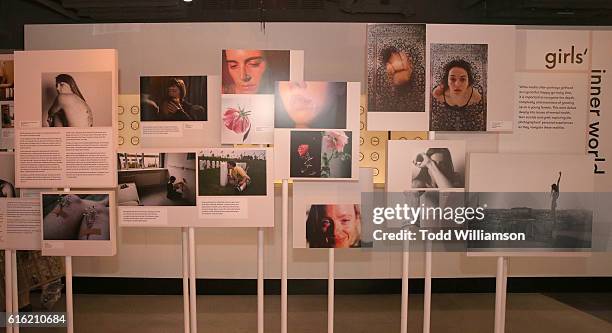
x=333, y=52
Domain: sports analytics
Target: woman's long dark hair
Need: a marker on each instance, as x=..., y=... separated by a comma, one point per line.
x=316, y=235
x=447, y=168
x=65, y=78
x=460, y=63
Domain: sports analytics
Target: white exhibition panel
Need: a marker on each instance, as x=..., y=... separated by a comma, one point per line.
x=78, y=151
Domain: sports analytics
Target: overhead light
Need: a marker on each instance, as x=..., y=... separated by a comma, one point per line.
x=187, y=0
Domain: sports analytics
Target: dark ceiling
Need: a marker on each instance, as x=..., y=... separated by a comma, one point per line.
x=14, y=14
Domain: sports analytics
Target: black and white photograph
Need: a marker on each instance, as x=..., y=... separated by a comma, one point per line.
x=253, y=71
x=458, y=87
x=310, y=104
x=156, y=179
x=425, y=165
x=76, y=216
x=7, y=176
x=173, y=98
x=396, y=67
x=7, y=80
x=320, y=154
x=232, y=172
x=81, y=99
x=546, y=221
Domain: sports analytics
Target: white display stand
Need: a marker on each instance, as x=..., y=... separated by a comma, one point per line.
x=193, y=314
x=284, y=232
x=404, y=308
x=8, y=285
x=69, y=296
x=15, y=287
x=330, y=291
x=501, y=282
x=186, y=305
x=260, y=280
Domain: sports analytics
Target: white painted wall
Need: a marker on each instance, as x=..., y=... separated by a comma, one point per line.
x=334, y=52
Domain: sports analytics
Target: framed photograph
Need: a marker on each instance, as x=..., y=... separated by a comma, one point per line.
x=396, y=67
x=77, y=99
x=427, y=165
x=247, y=119
x=156, y=179
x=253, y=71
x=78, y=223
x=7, y=77
x=310, y=104
x=321, y=154
x=173, y=98
x=232, y=172
x=7, y=176
x=459, y=87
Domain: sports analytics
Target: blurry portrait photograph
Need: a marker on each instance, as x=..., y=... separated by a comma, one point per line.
x=82, y=99
x=253, y=71
x=76, y=216
x=459, y=87
x=7, y=80
x=173, y=98
x=7, y=176
x=396, y=67
x=310, y=104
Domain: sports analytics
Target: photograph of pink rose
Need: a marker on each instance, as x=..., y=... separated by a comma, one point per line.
x=321, y=154
x=247, y=119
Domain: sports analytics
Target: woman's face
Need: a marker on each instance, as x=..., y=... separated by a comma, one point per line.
x=457, y=81
x=246, y=67
x=63, y=88
x=302, y=149
x=174, y=92
x=303, y=101
x=347, y=226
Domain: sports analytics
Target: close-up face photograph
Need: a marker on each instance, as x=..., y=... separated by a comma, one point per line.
x=246, y=68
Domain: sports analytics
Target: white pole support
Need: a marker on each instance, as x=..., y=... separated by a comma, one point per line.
x=186, y=307
x=284, y=231
x=15, y=287
x=500, y=297
x=330, y=292
x=404, y=308
x=69, y=303
x=260, y=280
x=192, y=282
x=8, y=285
x=427, y=291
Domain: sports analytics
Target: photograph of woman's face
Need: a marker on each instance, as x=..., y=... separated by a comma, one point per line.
x=303, y=101
x=458, y=81
x=246, y=68
x=63, y=88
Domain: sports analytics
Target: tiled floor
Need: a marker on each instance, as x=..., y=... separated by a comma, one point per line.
x=471, y=313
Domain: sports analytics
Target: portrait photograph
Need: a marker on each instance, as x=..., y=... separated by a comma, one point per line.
x=173, y=98
x=156, y=179
x=396, y=67
x=80, y=99
x=310, y=104
x=7, y=176
x=232, y=172
x=7, y=80
x=8, y=115
x=320, y=154
x=426, y=165
x=76, y=216
x=458, y=87
x=253, y=71
x=334, y=226
x=247, y=119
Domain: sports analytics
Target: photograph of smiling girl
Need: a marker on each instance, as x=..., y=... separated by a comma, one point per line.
x=310, y=104
x=253, y=71
x=82, y=99
x=459, y=87
x=334, y=226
